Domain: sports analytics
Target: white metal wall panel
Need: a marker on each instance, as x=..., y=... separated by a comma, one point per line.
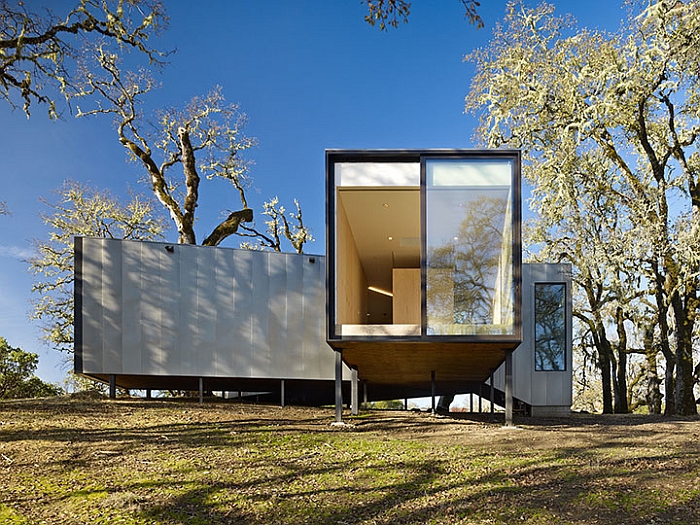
x=168, y=303
x=225, y=313
x=151, y=314
x=187, y=330
x=92, y=303
x=260, y=358
x=111, y=307
x=131, y=306
x=205, y=319
x=315, y=364
x=243, y=300
x=539, y=388
x=166, y=309
x=277, y=312
x=295, y=313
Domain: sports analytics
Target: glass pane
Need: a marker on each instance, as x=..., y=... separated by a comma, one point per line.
x=377, y=244
x=550, y=327
x=469, y=242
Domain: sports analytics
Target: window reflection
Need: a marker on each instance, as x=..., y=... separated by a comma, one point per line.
x=469, y=280
x=550, y=327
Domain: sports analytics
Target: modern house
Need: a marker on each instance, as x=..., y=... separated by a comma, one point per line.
x=424, y=264
x=422, y=293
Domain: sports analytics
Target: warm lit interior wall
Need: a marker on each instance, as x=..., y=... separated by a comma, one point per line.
x=406, y=290
x=351, y=285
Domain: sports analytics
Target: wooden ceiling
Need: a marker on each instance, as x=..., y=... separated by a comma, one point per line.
x=411, y=363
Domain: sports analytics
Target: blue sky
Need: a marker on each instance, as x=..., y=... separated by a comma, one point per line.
x=310, y=75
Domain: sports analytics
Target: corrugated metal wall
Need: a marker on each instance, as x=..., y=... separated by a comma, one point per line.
x=165, y=309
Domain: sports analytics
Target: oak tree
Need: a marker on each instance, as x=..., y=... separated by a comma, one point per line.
x=183, y=147
x=80, y=210
x=17, y=379
x=39, y=49
x=609, y=126
x=389, y=13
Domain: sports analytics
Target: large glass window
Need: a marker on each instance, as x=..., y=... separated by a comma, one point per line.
x=422, y=244
x=550, y=327
x=469, y=247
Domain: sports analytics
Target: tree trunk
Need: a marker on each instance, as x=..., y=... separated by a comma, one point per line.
x=670, y=384
x=621, y=406
x=653, y=393
x=620, y=383
x=228, y=227
x=606, y=379
x=604, y=364
x=685, y=399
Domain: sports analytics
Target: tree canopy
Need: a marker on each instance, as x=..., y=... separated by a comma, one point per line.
x=609, y=124
x=181, y=148
x=80, y=210
x=39, y=50
x=17, y=379
x=389, y=13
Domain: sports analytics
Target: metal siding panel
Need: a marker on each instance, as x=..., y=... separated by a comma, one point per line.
x=151, y=310
x=226, y=318
x=259, y=305
x=522, y=372
x=539, y=388
x=242, y=342
x=524, y=366
x=206, y=312
x=499, y=377
x=319, y=357
x=131, y=308
x=170, y=268
x=555, y=390
x=78, y=304
x=294, y=331
x=187, y=359
x=92, y=306
x=111, y=307
x=279, y=359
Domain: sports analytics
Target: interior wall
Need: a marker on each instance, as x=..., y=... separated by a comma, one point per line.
x=406, y=290
x=351, y=291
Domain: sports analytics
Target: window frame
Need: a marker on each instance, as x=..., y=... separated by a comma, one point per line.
x=334, y=157
x=565, y=325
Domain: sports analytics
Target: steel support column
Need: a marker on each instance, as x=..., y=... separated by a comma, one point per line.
x=509, y=389
x=432, y=391
x=354, y=394
x=338, y=386
x=112, y=386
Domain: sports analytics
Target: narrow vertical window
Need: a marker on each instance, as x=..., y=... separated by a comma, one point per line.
x=550, y=327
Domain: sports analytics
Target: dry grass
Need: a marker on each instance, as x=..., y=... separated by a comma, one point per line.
x=135, y=462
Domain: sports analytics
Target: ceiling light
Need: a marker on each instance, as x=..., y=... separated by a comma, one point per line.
x=385, y=205
x=390, y=238
x=379, y=290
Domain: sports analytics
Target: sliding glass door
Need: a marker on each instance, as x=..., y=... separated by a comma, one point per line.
x=469, y=246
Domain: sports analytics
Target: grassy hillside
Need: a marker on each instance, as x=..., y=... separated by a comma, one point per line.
x=135, y=462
